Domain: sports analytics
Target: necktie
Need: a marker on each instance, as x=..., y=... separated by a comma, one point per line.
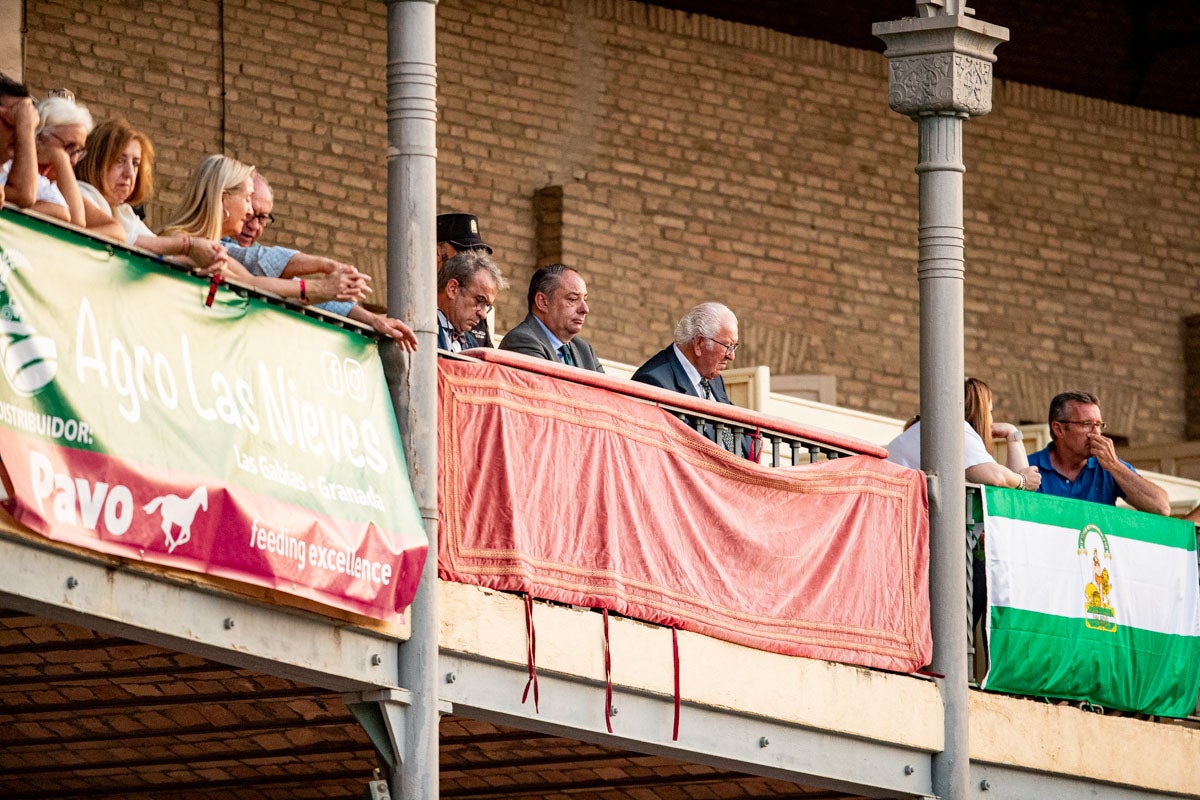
x=726, y=435
x=564, y=353
x=459, y=340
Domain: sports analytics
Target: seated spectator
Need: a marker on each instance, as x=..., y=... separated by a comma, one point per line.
x=558, y=306
x=116, y=173
x=23, y=186
x=981, y=467
x=216, y=203
x=467, y=286
x=706, y=339
x=978, y=432
x=61, y=141
x=283, y=262
x=457, y=233
x=1081, y=463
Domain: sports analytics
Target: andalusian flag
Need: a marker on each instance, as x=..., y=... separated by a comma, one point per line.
x=1091, y=602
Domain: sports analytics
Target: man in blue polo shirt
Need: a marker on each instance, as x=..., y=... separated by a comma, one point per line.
x=1081, y=463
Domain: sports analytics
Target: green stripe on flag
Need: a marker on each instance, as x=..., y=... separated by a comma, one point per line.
x=1127, y=668
x=1066, y=513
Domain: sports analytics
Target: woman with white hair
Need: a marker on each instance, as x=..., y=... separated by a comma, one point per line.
x=216, y=203
x=62, y=141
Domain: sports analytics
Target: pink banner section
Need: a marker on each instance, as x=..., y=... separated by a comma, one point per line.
x=580, y=494
x=114, y=506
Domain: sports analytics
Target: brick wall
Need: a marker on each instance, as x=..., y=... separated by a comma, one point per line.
x=692, y=159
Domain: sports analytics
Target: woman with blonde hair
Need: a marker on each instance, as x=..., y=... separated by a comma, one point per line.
x=978, y=433
x=216, y=203
x=117, y=173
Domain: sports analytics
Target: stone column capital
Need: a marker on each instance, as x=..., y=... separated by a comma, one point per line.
x=940, y=64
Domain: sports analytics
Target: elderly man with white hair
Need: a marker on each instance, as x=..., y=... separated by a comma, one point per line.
x=706, y=340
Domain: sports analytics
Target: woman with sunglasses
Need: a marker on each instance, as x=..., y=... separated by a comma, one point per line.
x=62, y=141
x=216, y=203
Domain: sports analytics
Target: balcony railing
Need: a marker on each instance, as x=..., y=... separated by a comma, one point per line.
x=778, y=442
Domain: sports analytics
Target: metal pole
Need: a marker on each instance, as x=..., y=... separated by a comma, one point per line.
x=411, y=259
x=939, y=73
x=940, y=279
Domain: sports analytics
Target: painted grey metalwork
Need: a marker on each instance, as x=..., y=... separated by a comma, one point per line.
x=717, y=737
x=778, y=448
x=180, y=614
x=411, y=259
x=1003, y=782
x=939, y=73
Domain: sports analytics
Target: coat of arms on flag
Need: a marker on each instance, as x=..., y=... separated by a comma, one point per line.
x=1099, y=612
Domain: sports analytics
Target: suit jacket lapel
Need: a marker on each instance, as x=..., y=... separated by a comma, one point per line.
x=682, y=382
x=718, y=390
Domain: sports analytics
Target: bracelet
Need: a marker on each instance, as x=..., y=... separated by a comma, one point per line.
x=189, y=243
x=1015, y=436
x=1021, y=485
x=303, y=291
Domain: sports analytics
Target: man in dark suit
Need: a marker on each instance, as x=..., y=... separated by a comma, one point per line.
x=467, y=286
x=557, y=310
x=706, y=339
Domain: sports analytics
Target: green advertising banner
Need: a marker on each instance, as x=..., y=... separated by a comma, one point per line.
x=235, y=439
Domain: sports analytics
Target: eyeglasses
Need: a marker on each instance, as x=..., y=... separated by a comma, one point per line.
x=478, y=301
x=730, y=349
x=264, y=219
x=1086, y=424
x=73, y=151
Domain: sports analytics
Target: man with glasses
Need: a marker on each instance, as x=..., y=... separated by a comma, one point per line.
x=467, y=286
x=1081, y=462
x=284, y=262
x=558, y=307
x=457, y=233
x=706, y=340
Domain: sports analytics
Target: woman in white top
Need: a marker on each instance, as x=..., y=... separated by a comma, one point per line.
x=117, y=173
x=978, y=433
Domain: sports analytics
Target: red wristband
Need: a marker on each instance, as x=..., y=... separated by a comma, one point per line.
x=303, y=291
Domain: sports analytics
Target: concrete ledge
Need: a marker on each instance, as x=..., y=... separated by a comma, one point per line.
x=851, y=701
x=1037, y=736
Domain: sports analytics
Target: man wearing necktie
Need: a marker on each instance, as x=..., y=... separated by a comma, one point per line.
x=558, y=307
x=706, y=340
x=467, y=286
x=457, y=233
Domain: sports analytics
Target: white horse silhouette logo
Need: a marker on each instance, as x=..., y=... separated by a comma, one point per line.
x=178, y=512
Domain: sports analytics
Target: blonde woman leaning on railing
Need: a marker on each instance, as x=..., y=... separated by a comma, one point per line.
x=217, y=203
